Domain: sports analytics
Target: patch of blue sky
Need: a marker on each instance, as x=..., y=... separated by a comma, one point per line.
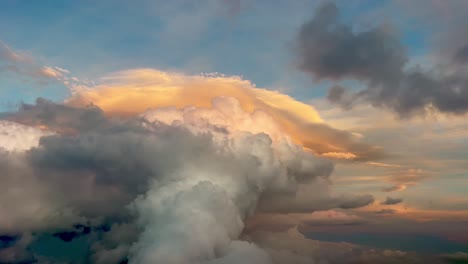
x=14, y=91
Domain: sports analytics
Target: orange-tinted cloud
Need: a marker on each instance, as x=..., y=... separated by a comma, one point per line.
x=132, y=92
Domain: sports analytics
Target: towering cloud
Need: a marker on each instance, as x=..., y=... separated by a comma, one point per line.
x=328, y=49
x=172, y=185
x=134, y=91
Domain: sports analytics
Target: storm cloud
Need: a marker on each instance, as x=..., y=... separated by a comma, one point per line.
x=392, y=201
x=329, y=49
x=173, y=185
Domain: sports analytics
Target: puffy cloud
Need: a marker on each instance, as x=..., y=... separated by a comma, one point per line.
x=310, y=197
x=328, y=49
x=18, y=137
x=132, y=92
x=173, y=185
x=58, y=118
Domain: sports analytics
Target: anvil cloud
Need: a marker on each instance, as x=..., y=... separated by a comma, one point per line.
x=184, y=179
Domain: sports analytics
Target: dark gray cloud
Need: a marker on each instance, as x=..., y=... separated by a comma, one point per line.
x=385, y=211
x=328, y=49
x=458, y=257
x=309, y=198
x=58, y=117
x=14, y=250
x=461, y=55
x=392, y=201
x=356, y=201
x=331, y=50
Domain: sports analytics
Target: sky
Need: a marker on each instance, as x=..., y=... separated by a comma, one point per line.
x=234, y=131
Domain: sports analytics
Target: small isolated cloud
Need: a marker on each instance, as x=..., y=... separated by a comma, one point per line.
x=329, y=49
x=385, y=211
x=392, y=201
x=394, y=188
x=50, y=72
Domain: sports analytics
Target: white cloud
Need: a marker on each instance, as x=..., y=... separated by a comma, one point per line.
x=18, y=137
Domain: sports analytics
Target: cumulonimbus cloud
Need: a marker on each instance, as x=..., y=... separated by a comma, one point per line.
x=132, y=92
x=170, y=184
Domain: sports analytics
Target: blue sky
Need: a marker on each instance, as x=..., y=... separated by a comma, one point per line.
x=251, y=39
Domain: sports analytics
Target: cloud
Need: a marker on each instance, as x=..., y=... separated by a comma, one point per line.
x=49, y=72
x=310, y=197
x=331, y=50
x=404, y=168
x=132, y=92
x=461, y=55
x=7, y=54
x=385, y=211
x=281, y=222
x=404, y=178
x=13, y=249
x=25, y=66
x=391, y=201
x=458, y=257
x=59, y=118
x=394, y=188
x=171, y=184
x=18, y=137
x=291, y=246
x=340, y=155
x=328, y=49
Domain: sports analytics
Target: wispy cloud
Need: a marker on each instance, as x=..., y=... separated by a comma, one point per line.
x=23, y=66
